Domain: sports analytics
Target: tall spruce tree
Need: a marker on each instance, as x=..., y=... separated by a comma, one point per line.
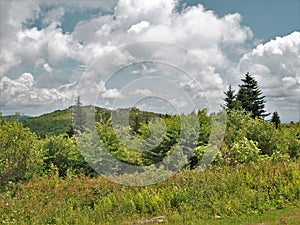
x=78, y=117
x=276, y=119
x=250, y=98
x=230, y=99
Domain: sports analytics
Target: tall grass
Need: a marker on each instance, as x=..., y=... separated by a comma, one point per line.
x=188, y=196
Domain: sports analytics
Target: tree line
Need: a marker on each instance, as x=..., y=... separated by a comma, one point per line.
x=249, y=98
x=149, y=138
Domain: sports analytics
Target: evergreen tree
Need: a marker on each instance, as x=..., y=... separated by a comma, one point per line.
x=230, y=99
x=78, y=117
x=276, y=119
x=249, y=96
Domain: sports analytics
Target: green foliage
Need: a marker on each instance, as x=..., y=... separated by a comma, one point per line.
x=137, y=118
x=273, y=144
x=230, y=99
x=78, y=116
x=156, y=138
x=150, y=137
x=237, y=122
x=225, y=192
x=243, y=151
x=256, y=169
x=17, y=117
x=160, y=136
x=276, y=119
x=20, y=157
x=205, y=127
x=62, y=153
x=266, y=136
x=118, y=142
x=249, y=96
x=290, y=140
x=58, y=122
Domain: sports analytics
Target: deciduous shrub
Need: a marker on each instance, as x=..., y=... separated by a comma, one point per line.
x=62, y=152
x=223, y=191
x=20, y=155
x=274, y=144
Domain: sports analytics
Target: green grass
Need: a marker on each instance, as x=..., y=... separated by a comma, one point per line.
x=239, y=195
x=289, y=215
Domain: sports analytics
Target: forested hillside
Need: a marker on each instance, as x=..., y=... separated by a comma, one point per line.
x=54, y=123
x=60, y=121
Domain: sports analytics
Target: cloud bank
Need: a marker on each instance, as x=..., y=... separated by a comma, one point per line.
x=35, y=43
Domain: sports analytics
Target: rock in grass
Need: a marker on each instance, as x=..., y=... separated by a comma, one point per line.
x=159, y=219
x=218, y=217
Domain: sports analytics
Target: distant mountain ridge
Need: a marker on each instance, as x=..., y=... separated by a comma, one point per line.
x=53, y=123
x=60, y=121
x=20, y=118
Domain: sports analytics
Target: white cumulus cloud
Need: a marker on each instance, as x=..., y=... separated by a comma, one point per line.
x=218, y=41
x=47, y=68
x=112, y=93
x=145, y=92
x=276, y=66
x=137, y=28
x=23, y=91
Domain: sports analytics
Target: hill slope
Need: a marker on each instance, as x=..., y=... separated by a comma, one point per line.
x=60, y=121
x=53, y=123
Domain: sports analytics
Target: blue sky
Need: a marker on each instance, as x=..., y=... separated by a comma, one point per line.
x=161, y=55
x=267, y=18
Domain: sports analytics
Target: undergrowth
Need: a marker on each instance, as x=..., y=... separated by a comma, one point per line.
x=216, y=192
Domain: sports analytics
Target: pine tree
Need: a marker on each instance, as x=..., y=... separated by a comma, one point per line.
x=78, y=117
x=230, y=99
x=249, y=96
x=276, y=119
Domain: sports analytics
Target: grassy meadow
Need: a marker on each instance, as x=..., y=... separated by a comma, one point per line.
x=216, y=195
x=254, y=179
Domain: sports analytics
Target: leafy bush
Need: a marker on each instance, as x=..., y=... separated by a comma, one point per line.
x=62, y=152
x=20, y=155
x=264, y=134
x=290, y=140
x=244, y=151
x=276, y=143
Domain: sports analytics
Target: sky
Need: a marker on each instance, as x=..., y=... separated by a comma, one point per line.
x=161, y=55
